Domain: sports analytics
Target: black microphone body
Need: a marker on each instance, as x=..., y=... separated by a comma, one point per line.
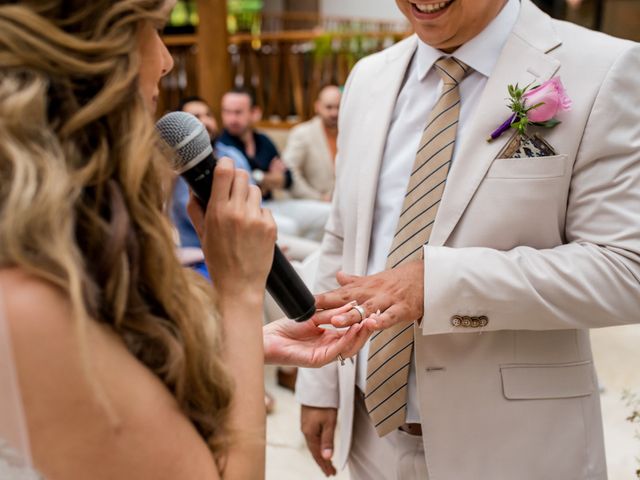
x=283, y=283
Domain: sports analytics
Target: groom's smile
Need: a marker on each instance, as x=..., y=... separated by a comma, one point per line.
x=429, y=11
x=447, y=24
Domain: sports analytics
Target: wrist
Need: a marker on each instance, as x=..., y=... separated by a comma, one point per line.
x=233, y=299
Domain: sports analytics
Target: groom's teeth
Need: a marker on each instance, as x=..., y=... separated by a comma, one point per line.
x=431, y=7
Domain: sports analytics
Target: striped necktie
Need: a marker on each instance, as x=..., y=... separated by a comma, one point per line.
x=390, y=350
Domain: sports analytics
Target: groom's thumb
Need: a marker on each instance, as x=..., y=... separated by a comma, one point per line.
x=326, y=441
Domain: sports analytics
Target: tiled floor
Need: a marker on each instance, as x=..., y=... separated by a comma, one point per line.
x=617, y=354
x=287, y=454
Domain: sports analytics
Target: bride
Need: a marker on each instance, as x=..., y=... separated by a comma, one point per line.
x=126, y=364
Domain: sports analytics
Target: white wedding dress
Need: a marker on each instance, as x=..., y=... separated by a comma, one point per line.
x=15, y=453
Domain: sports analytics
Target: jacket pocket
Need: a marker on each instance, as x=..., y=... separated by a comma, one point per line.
x=561, y=380
x=530, y=167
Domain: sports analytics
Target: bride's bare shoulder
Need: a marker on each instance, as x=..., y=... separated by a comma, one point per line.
x=27, y=299
x=90, y=404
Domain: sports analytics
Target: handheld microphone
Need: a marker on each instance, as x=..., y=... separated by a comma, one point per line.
x=195, y=162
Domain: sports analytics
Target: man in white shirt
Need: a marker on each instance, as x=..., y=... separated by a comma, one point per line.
x=519, y=258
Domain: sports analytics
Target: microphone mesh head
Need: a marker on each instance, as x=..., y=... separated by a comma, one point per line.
x=187, y=136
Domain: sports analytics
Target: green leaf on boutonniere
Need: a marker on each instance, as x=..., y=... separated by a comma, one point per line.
x=526, y=109
x=548, y=124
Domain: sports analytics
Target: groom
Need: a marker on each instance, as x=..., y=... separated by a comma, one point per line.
x=486, y=288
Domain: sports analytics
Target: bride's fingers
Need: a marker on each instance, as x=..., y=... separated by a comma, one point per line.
x=341, y=343
x=351, y=341
x=196, y=214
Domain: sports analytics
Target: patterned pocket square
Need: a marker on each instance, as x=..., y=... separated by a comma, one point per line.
x=525, y=146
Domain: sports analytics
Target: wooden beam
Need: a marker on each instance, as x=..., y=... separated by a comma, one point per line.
x=214, y=64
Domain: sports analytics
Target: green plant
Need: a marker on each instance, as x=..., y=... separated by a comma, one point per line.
x=244, y=16
x=322, y=47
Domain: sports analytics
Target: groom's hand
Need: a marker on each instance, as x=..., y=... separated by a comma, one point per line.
x=318, y=426
x=397, y=293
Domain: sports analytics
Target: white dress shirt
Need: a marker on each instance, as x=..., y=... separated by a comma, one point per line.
x=418, y=95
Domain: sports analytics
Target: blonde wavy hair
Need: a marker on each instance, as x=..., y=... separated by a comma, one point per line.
x=81, y=193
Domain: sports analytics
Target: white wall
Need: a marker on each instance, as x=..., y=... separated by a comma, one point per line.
x=375, y=9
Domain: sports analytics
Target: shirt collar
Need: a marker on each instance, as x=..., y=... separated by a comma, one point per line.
x=481, y=52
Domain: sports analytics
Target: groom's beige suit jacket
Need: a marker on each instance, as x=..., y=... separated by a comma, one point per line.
x=546, y=248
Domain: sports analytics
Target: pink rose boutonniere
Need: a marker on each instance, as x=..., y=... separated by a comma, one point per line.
x=536, y=106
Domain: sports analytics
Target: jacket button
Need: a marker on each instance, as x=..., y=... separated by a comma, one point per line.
x=456, y=320
x=466, y=322
x=475, y=322
x=483, y=321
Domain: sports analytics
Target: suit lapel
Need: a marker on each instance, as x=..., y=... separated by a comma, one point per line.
x=385, y=88
x=523, y=60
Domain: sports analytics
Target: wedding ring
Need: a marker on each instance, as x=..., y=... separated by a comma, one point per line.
x=341, y=359
x=360, y=310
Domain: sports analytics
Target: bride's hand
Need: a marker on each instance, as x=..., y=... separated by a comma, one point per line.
x=237, y=235
x=306, y=344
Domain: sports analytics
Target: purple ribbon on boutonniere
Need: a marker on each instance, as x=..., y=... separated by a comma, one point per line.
x=536, y=106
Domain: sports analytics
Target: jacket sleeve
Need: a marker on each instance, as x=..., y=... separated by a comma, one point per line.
x=319, y=387
x=294, y=157
x=591, y=281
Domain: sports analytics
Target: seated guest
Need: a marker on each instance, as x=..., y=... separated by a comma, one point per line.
x=311, y=149
x=295, y=248
x=304, y=218
x=199, y=108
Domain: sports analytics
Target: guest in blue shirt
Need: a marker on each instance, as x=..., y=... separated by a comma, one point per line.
x=239, y=114
x=199, y=108
x=301, y=218
x=288, y=238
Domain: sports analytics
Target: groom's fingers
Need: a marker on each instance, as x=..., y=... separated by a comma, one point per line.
x=316, y=452
x=345, y=279
x=400, y=287
x=318, y=427
x=394, y=314
x=380, y=302
x=323, y=317
x=334, y=298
